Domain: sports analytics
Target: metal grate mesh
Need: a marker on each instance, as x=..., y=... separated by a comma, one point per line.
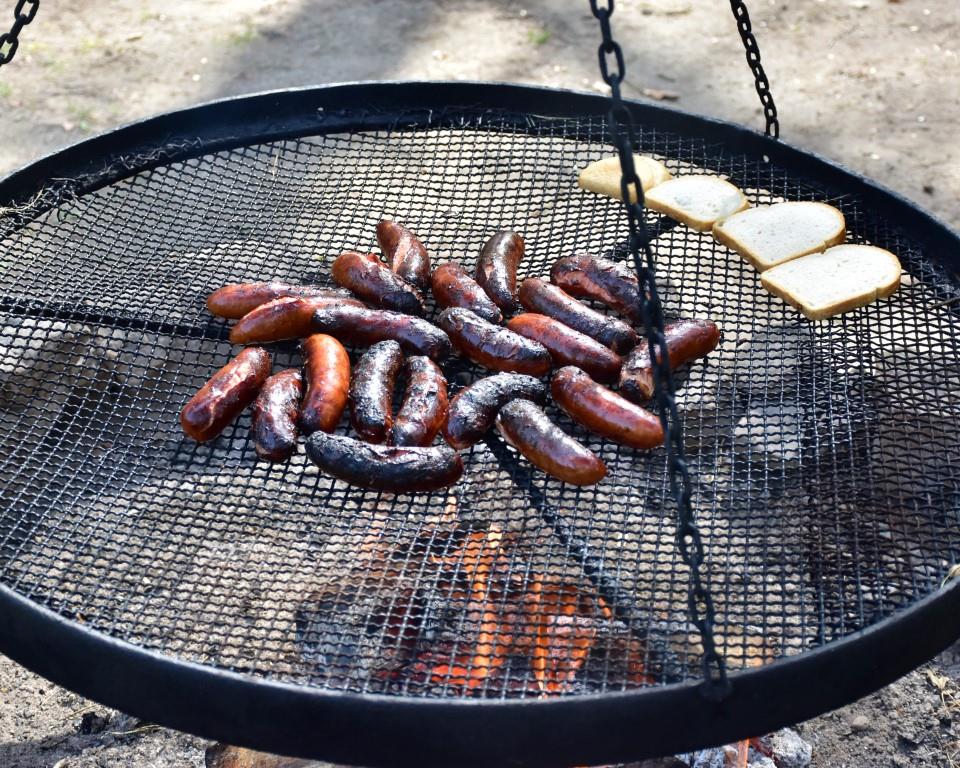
x=825, y=455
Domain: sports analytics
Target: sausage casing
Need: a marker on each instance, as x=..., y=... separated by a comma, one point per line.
x=371, y=391
x=326, y=369
x=285, y=318
x=604, y=412
x=497, y=269
x=225, y=395
x=362, y=327
x=235, y=300
x=405, y=253
x=537, y=295
x=473, y=410
x=373, y=282
x=687, y=340
x=527, y=428
x=385, y=468
x=275, y=414
x=603, y=280
x=424, y=409
x=493, y=346
x=567, y=346
x=453, y=287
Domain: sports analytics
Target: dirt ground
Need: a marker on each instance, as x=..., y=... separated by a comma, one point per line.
x=870, y=83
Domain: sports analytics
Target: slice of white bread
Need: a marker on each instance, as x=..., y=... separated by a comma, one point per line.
x=772, y=234
x=697, y=201
x=837, y=280
x=603, y=176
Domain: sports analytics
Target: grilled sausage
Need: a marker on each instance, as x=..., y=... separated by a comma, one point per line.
x=493, y=346
x=497, y=269
x=603, y=280
x=235, y=300
x=537, y=295
x=405, y=253
x=687, y=340
x=453, y=287
x=604, y=412
x=385, y=468
x=362, y=327
x=473, y=409
x=372, y=281
x=526, y=427
x=225, y=395
x=371, y=391
x=424, y=408
x=286, y=318
x=567, y=346
x=326, y=368
x=275, y=414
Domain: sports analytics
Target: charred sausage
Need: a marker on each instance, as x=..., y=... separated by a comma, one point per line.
x=385, y=468
x=424, y=409
x=371, y=391
x=235, y=300
x=687, y=340
x=372, y=281
x=285, y=318
x=526, y=427
x=603, y=280
x=567, y=346
x=497, y=269
x=453, y=287
x=225, y=395
x=405, y=253
x=493, y=346
x=275, y=414
x=362, y=327
x=603, y=412
x=537, y=295
x=326, y=368
x=474, y=409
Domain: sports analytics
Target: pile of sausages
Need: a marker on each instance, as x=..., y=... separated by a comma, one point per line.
x=382, y=307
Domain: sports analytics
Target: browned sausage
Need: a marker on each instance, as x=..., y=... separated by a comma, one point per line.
x=687, y=340
x=234, y=301
x=385, y=468
x=493, y=346
x=497, y=269
x=286, y=318
x=592, y=277
x=604, y=412
x=537, y=295
x=405, y=253
x=326, y=369
x=372, y=281
x=225, y=395
x=275, y=414
x=453, y=287
x=371, y=391
x=473, y=409
x=424, y=409
x=567, y=346
x=526, y=427
x=362, y=327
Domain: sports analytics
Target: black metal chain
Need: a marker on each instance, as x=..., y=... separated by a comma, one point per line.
x=739, y=9
x=9, y=41
x=699, y=603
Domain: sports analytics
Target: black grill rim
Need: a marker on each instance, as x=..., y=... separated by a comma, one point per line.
x=377, y=730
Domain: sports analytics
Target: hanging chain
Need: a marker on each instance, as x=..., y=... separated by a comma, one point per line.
x=699, y=603
x=9, y=41
x=739, y=9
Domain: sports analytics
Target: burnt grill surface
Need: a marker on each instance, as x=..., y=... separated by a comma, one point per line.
x=825, y=455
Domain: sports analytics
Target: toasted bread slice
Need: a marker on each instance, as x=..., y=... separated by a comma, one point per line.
x=697, y=201
x=603, y=176
x=772, y=234
x=840, y=279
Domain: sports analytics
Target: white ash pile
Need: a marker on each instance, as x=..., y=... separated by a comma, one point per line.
x=783, y=749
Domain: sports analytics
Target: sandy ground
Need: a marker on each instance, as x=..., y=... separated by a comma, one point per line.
x=870, y=83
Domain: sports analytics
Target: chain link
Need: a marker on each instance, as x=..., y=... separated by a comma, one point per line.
x=745, y=28
x=699, y=603
x=23, y=14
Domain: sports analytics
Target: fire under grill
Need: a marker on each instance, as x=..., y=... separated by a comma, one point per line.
x=825, y=456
